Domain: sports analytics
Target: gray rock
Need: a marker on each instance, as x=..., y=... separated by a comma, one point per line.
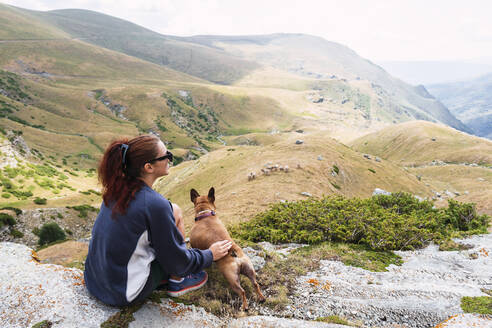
x=305, y=193
x=423, y=292
x=267, y=246
x=377, y=159
x=449, y=193
x=367, y=156
x=299, y=142
x=379, y=191
x=258, y=261
x=320, y=158
x=33, y=292
x=275, y=322
x=183, y=93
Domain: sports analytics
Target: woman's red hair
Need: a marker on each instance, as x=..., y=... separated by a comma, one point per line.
x=120, y=181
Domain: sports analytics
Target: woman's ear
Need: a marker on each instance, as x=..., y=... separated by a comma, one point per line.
x=147, y=168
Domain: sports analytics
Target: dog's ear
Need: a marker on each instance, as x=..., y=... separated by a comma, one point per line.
x=193, y=195
x=211, y=195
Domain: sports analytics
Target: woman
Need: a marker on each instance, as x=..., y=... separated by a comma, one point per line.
x=138, y=237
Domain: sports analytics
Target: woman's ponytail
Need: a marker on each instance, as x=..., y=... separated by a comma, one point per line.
x=120, y=169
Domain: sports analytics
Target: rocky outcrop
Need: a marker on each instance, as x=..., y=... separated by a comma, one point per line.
x=424, y=292
x=33, y=292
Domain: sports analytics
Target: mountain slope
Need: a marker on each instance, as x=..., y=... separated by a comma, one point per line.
x=470, y=101
x=120, y=35
x=317, y=58
x=226, y=60
x=419, y=143
x=26, y=27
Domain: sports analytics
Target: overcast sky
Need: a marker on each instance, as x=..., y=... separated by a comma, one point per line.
x=379, y=30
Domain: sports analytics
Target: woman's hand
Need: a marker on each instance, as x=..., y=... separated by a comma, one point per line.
x=220, y=248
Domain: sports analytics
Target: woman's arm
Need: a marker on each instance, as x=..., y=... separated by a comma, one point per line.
x=168, y=243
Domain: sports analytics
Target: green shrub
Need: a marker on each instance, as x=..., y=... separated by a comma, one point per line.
x=83, y=209
x=16, y=233
x=36, y=231
x=6, y=219
x=50, y=232
x=21, y=194
x=40, y=201
x=335, y=185
x=372, y=170
x=336, y=169
x=395, y=222
x=6, y=195
x=334, y=319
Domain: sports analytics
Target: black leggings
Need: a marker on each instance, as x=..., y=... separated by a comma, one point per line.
x=155, y=278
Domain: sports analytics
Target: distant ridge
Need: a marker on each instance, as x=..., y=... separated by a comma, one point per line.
x=470, y=101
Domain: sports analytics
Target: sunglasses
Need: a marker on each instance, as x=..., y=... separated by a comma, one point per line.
x=168, y=156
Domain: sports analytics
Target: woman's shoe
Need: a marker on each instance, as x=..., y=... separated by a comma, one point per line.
x=189, y=283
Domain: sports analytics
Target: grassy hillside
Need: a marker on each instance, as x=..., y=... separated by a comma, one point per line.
x=412, y=144
x=239, y=199
x=317, y=58
x=226, y=60
x=472, y=184
x=17, y=24
x=25, y=177
x=209, y=63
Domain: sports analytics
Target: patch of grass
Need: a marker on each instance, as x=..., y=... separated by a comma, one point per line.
x=76, y=264
x=450, y=245
x=334, y=319
x=279, y=298
x=217, y=290
x=336, y=169
x=43, y=324
x=481, y=304
x=123, y=318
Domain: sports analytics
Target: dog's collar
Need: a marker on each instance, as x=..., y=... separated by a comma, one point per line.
x=204, y=214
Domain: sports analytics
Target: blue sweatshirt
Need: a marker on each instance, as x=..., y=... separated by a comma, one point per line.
x=121, y=251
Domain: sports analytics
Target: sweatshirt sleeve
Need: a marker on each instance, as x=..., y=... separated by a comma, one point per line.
x=170, y=249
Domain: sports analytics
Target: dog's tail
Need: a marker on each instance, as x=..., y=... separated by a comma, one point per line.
x=235, y=250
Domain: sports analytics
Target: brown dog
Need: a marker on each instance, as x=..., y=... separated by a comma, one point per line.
x=207, y=230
